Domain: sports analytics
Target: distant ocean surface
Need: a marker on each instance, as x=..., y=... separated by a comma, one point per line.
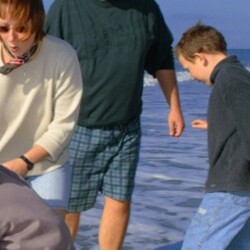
x=171, y=172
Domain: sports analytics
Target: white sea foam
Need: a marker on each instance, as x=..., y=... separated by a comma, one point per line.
x=150, y=81
x=183, y=76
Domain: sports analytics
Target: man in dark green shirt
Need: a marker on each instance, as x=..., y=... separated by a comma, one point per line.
x=116, y=41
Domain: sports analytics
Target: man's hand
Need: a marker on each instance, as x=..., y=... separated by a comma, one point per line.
x=175, y=123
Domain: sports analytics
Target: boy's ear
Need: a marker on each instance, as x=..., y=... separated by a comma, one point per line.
x=200, y=57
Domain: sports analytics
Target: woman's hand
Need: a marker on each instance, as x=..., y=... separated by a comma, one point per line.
x=18, y=166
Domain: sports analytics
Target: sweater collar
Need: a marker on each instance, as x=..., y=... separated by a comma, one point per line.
x=222, y=63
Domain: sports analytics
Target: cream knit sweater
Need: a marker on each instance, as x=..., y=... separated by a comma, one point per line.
x=39, y=104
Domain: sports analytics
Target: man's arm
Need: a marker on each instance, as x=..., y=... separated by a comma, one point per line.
x=168, y=83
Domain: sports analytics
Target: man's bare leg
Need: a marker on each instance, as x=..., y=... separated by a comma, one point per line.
x=113, y=224
x=72, y=220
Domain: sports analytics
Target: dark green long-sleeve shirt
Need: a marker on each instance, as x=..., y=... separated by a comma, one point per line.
x=229, y=128
x=116, y=41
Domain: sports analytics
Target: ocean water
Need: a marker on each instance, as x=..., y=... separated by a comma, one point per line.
x=171, y=172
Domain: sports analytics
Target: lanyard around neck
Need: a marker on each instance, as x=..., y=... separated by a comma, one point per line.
x=17, y=61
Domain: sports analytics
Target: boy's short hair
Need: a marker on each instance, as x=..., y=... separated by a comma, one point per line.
x=30, y=13
x=200, y=38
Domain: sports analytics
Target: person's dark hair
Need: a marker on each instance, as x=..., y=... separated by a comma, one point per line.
x=200, y=38
x=29, y=13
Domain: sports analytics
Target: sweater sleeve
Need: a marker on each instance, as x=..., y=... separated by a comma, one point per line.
x=67, y=95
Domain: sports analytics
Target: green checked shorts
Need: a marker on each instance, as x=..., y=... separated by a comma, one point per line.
x=103, y=160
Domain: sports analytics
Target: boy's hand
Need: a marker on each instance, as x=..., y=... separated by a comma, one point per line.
x=200, y=124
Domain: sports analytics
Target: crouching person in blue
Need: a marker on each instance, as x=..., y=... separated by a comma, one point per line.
x=26, y=221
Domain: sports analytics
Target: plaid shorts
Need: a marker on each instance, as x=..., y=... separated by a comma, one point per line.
x=105, y=160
